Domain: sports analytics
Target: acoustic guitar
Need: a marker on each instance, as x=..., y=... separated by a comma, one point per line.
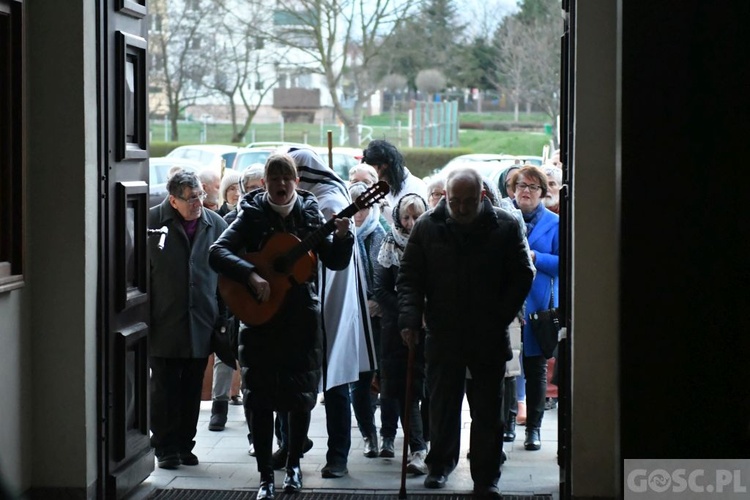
x=284, y=260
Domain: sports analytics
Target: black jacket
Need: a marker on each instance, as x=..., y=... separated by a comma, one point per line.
x=282, y=357
x=393, y=352
x=469, y=281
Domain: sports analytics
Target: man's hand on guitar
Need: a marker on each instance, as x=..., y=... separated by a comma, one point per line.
x=260, y=286
x=342, y=227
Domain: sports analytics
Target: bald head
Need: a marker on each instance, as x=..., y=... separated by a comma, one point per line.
x=464, y=192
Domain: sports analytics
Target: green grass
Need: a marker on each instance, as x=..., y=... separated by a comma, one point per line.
x=478, y=141
x=514, y=143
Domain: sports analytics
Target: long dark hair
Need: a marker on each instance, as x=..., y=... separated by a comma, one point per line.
x=380, y=152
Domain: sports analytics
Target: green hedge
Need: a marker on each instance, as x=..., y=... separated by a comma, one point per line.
x=422, y=161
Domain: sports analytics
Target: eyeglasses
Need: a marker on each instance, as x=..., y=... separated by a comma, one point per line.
x=436, y=194
x=533, y=188
x=198, y=198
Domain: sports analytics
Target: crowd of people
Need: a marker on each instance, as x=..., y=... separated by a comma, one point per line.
x=436, y=279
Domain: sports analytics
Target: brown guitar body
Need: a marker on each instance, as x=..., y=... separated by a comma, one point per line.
x=302, y=263
x=243, y=302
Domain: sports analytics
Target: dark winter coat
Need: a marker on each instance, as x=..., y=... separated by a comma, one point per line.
x=184, y=302
x=281, y=360
x=474, y=279
x=394, y=354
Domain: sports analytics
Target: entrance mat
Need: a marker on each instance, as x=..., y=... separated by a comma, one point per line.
x=179, y=494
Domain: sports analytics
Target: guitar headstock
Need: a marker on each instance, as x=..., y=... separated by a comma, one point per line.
x=374, y=194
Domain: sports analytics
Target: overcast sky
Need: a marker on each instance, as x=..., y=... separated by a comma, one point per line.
x=483, y=15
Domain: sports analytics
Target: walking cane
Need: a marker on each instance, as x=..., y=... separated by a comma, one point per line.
x=407, y=418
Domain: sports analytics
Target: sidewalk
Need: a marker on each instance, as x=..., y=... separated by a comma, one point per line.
x=226, y=465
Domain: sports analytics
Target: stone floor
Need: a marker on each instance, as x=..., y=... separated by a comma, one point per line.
x=226, y=465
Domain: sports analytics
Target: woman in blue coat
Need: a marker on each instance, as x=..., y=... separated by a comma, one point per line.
x=543, y=231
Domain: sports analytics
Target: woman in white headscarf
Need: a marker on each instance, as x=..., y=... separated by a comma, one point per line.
x=347, y=331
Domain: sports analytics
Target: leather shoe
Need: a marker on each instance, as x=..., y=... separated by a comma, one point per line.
x=188, y=458
x=491, y=491
x=435, y=481
x=371, y=446
x=293, y=480
x=333, y=471
x=533, y=440
x=267, y=490
x=387, y=450
x=168, y=461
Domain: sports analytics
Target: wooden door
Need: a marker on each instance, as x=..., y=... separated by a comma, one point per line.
x=126, y=457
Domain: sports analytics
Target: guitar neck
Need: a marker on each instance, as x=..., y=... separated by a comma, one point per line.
x=315, y=238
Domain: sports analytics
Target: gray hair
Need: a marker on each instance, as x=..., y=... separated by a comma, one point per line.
x=368, y=169
x=180, y=180
x=253, y=173
x=208, y=175
x=436, y=182
x=553, y=172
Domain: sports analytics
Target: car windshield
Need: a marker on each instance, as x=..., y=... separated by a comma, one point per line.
x=244, y=160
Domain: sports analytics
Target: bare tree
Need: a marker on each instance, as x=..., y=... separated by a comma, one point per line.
x=237, y=60
x=393, y=83
x=430, y=81
x=341, y=40
x=543, y=79
x=178, y=62
x=513, y=44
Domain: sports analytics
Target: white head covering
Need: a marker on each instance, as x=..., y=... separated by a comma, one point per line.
x=316, y=177
x=347, y=331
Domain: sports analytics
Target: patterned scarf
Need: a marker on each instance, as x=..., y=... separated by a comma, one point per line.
x=532, y=218
x=393, y=247
x=395, y=241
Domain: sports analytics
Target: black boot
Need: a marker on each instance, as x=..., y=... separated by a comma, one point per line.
x=533, y=439
x=293, y=479
x=510, y=429
x=218, y=420
x=267, y=490
x=371, y=446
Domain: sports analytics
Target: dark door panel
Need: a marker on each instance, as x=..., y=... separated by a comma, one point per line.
x=126, y=457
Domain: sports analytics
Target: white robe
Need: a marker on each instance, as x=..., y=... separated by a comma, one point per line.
x=347, y=332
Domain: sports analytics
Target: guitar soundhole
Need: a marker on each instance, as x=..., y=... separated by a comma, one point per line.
x=281, y=265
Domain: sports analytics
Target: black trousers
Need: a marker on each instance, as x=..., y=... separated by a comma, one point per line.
x=446, y=381
x=176, y=385
x=263, y=433
x=535, y=371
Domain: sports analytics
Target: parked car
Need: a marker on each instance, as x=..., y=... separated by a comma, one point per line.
x=206, y=155
x=343, y=159
x=485, y=162
x=158, y=169
x=277, y=144
x=248, y=156
x=531, y=160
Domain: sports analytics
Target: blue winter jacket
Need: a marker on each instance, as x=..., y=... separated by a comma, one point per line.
x=544, y=240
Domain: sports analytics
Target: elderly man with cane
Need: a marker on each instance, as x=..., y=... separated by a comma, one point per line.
x=465, y=273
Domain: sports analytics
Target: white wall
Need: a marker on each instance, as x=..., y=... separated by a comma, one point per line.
x=595, y=333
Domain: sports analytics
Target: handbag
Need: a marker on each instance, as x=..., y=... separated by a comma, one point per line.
x=223, y=347
x=545, y=325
